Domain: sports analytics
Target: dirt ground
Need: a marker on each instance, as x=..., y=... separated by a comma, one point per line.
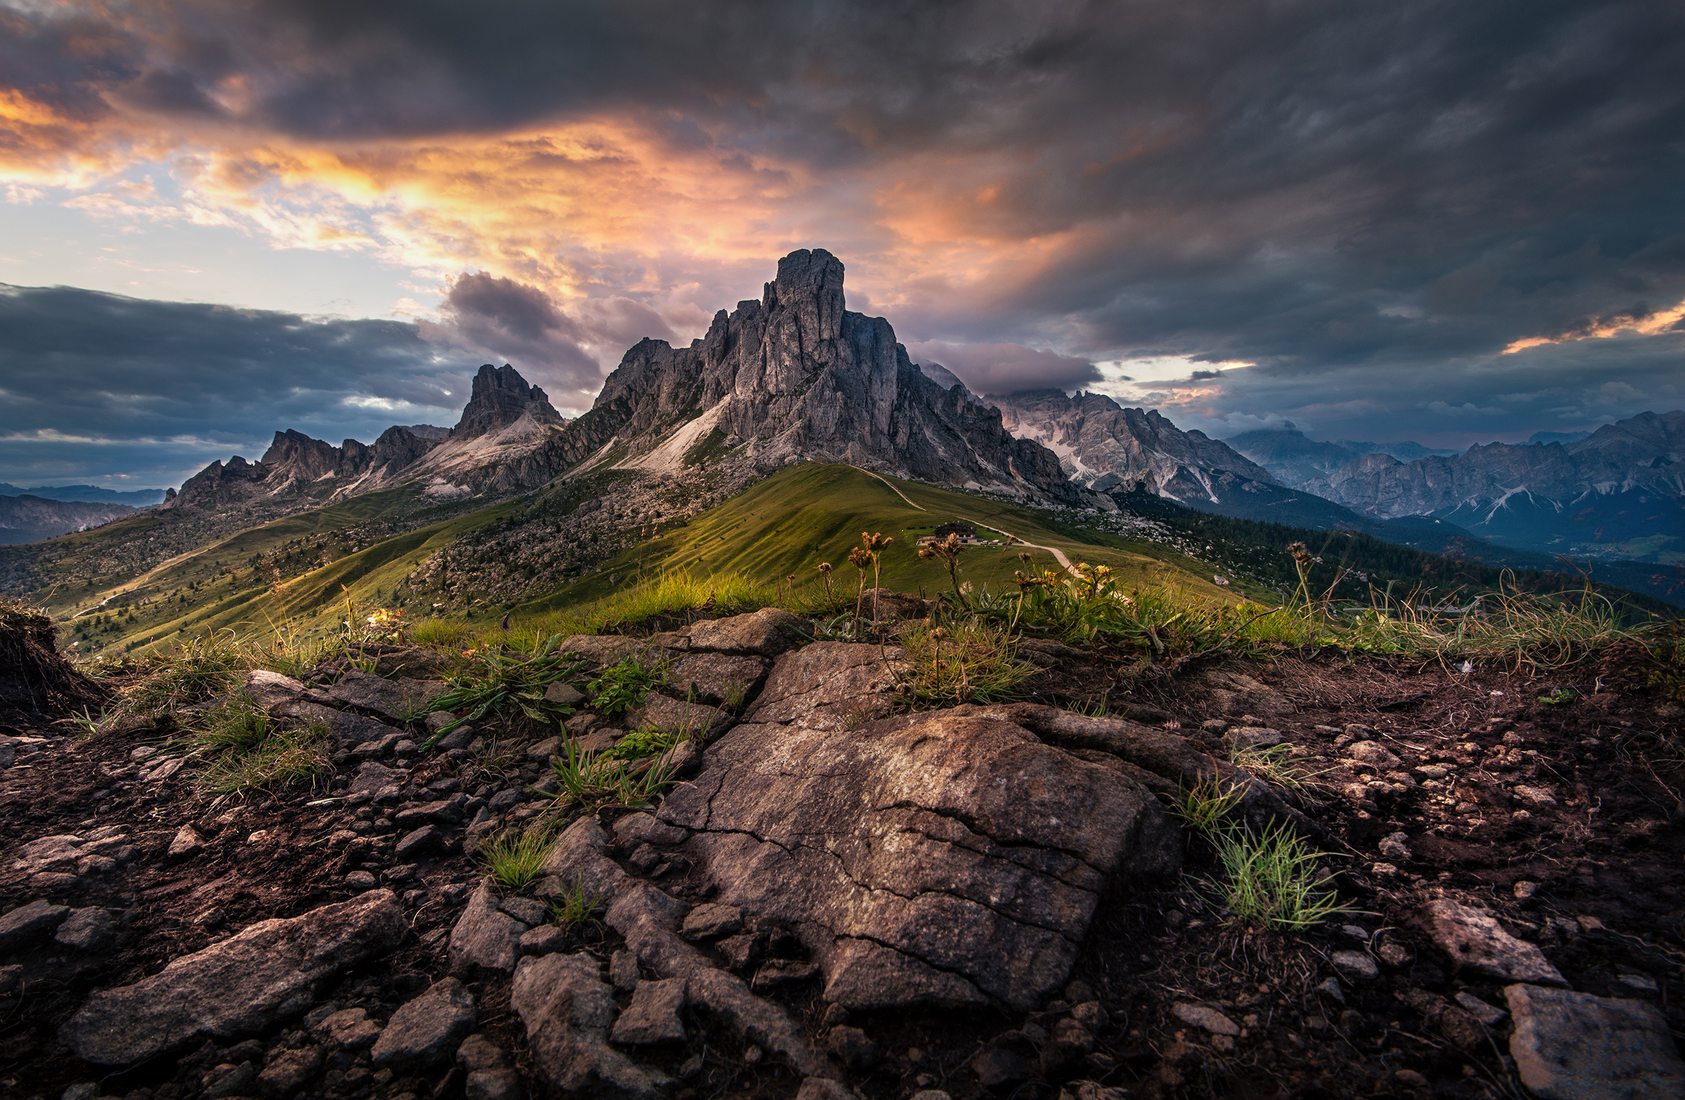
x=1549, y=797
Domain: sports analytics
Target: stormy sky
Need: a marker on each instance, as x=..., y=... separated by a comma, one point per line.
x=1451, y=222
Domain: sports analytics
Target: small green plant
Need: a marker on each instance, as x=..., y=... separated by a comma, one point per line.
x=235, y=723
x=442, y=634
x=506, y=685
x=968, y=661
x=1273, y=879
x=514, y=858
x=734, y=695
x=197, y=671
x=1277, y=764
x=641, y=743
x=1205, y=807
x=576, y=907
x=281, y=758
x=1559, y=696
x=591, y=779
x=623, y=686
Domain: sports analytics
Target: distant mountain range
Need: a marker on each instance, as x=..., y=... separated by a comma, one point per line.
x=1293, y=458
x=1617, y=492
x=29, y=518
x=87, y=494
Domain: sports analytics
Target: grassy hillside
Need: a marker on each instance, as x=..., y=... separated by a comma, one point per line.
x=296, y=572
x=792, y=521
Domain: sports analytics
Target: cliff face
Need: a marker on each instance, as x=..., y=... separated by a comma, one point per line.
x=795, y=377
x=1105, y=446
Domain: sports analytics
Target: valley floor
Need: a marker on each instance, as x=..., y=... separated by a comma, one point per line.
x=1498, y=836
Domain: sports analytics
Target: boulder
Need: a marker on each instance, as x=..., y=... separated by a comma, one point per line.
x=769, y=632
x=240, y=986
x=426, y=1030
x=567, y=1009
x=928, y=859
x=1576, y=1046
x=677, y=716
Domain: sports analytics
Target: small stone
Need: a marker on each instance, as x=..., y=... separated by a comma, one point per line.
x=1374, y=754
x=1476, y=941
x=420, y=842
x=852, y=1047
x=999, y=1067
x=288, y=1071
x=485, y=936
x=652, y=1016
x=350, y=1028
x=186, y=841
x=1524, y=890
x=1355, y=965
x=1395, y=848
x=544, y=939
x=87, y=929
x=426, y=1030
x=1576, y=1046
x=563, y=694
x=1205, y=1018
x=623, y=970
x=1332, y=989
x=711, y=921
x=1409, y=1078
x=1536, y=797
x=360, y=880
x=1488, y=1014
x=824, y=1088
x=29, y=923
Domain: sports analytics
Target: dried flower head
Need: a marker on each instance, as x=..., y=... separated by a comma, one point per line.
x=824, y=568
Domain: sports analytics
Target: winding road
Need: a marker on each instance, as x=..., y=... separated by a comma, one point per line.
x=1058, y=554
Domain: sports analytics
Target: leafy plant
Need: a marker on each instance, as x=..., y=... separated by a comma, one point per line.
x=1273, y=879
x=1559, y=696
x=623, y=686
x=506, y=684
x=640, y=743
x=198, y=670
x=515, y=857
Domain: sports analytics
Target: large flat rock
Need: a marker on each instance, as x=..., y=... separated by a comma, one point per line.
x=246, y=983
x=937, y=858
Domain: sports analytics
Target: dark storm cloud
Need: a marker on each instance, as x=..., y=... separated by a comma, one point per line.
x=1346, y=194
x=511, y=321
x=95, y=385
x=1006, y=368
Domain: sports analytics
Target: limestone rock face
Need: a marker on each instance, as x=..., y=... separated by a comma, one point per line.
x=795, y=376
x=932, y=859
x=499, y=398
x=240, y=986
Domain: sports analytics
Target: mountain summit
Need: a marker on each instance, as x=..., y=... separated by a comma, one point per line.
x=500, y=397
x=796, y=377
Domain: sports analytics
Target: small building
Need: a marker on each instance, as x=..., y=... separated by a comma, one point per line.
x=965, y=531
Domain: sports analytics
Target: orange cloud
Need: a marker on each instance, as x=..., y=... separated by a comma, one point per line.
x=1643, y=324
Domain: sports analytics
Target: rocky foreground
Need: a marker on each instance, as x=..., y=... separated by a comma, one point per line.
x=842, y=895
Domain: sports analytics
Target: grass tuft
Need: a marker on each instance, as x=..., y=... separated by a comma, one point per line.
x=514, y=858
x=1273, y=879
x=967, y=661
x=623, y=686
x=592, y=780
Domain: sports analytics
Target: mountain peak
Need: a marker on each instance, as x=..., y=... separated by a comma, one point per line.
x=810, y=281
x=500, y=396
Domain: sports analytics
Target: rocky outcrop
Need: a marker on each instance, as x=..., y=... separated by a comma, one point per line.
x=796, y=377
x=239, y=986
x=35, y=678
x=500, y=397
x=923, y=860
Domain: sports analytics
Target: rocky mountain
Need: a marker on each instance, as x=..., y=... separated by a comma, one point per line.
x=1620, y=490
x=504, y=423
x=86, y=494
x=1295, y=459
x=795, y=377
x=29, y=518
x=1105, y=446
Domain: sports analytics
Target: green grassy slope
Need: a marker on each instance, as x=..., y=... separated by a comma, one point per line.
x=790, y=522
x=231, y=584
